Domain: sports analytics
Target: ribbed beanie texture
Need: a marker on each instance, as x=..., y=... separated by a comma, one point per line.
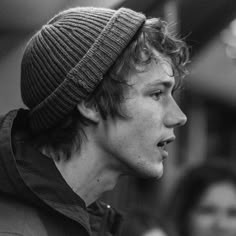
x=65, y=61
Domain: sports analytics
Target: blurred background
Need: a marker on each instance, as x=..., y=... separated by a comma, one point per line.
x=208, y=99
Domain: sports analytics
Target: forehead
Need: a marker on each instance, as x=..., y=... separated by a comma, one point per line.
x=158, y=71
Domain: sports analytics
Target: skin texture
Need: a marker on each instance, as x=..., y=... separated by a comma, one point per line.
x=116, y=147
x=153, y=116
x=215, y=214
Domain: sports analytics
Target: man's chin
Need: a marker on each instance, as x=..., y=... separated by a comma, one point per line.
x=157, y=172
x=151, y=174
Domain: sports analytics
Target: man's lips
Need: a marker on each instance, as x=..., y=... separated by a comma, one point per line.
x=163, y=144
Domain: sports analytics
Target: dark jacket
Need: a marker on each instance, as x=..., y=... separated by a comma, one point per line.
x=34, y=197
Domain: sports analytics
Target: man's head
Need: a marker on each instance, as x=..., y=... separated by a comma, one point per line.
x=90, y=54
x=68, y=58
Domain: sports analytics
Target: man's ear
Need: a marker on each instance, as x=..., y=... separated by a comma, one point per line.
x=89, y=111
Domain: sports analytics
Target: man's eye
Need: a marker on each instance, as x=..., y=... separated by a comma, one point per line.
x=156, y=95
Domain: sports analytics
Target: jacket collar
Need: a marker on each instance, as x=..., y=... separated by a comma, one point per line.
x=34, y=176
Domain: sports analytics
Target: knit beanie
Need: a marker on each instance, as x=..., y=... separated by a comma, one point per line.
x=65, y=61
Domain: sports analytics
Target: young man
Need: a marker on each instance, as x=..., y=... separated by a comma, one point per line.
x=98, y=84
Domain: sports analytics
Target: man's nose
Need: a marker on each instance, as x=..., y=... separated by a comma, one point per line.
x=175, y=117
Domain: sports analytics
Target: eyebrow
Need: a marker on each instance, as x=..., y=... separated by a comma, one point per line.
x=152, y=85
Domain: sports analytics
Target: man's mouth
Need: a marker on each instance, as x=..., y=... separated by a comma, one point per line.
x=163, y=144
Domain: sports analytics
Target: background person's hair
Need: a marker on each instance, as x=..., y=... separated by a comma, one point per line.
x=68, y=135
x=191, y=187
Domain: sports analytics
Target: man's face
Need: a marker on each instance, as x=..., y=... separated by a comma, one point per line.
x=139, y=142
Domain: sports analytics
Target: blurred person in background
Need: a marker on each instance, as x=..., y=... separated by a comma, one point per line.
x=143, y=222
x=98, y=84
x=204, y=202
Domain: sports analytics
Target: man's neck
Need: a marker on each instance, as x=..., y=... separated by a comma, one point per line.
x=89, y=173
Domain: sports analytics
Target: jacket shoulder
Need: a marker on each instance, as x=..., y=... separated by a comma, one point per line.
x=18, y=218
